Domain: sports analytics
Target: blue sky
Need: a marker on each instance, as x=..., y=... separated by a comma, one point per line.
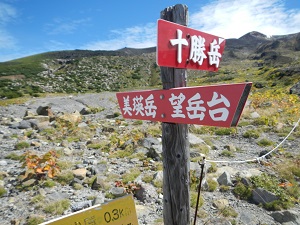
x=29, y=27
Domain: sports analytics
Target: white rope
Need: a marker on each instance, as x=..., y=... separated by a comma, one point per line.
x=261, y=157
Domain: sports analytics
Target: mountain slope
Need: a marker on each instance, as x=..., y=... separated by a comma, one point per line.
x=88, y=71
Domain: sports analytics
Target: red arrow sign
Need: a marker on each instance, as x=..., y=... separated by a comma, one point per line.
x=182, y=47
x=217, y=105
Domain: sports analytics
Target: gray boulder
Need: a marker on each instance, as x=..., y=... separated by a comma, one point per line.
x=286, y=217
x=295, y=89
x=149, y=142
x=224, y=179
x=146, y=192
x=262, y=196
x=117, y=191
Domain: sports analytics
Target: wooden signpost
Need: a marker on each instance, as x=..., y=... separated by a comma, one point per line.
x=215, y=105
x=180, y=48
x=117, y=212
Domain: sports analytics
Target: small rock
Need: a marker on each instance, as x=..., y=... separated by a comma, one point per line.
x=158, y=177
x=75, y=117
x=146, y=192
x=98, y=200
x=295, y=89
x=117, y=191
x=230, y=147
x=264, y=152
x=99, y=183
x=35, y=144
x=3, y=163
x=80, y=173
x=68, y=151
x=29, y=183
x=24, y=124
x=220, y=203
x=193, y=139
x=81, y=205
x=149, y=142
x=224, y=179
x=254, y=115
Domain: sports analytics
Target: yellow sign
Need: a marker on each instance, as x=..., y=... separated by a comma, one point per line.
x=117, y=212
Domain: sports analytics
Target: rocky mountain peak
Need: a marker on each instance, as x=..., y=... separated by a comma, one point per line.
x=253, y=35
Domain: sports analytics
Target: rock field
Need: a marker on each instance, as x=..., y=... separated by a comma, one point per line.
x=26, y=198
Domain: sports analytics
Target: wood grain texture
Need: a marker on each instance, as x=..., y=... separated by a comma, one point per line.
x=176, y=155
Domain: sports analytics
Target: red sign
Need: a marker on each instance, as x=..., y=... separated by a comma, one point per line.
x=182, y=47
x=216, y=105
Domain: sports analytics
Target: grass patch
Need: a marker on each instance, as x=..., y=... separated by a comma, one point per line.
x=64, y=165
x=194, y=196
x=225, y=131
x=34, y=220
x=287, y=195
x=58, y=207
x=49, y=183
x=228, y=211
x=227, y=153
x=131, y=175
x=265, y=142
x=212, y=185
x=14, y=156
x=65, y=177
x=2, y=191
x=251, y=134
x=147, y=178
x=22, y=145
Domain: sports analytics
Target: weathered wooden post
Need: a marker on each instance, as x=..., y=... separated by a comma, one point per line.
x=176, y=156
x=180, y=48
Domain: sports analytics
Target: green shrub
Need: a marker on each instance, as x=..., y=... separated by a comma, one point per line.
x=251, y=134
x=213, y=168
x=2, y=191
x=277, y=205
x=224, y=188
x=271, y=183
x=265, y=142
x=212, y=185
x=22, y=145
x=242, y=191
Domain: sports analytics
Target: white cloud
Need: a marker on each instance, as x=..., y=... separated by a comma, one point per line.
x=225, y=18
x=234, y=18
x=63, y=26
x=7, y=13
x=6, y=40
x=133, y=37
